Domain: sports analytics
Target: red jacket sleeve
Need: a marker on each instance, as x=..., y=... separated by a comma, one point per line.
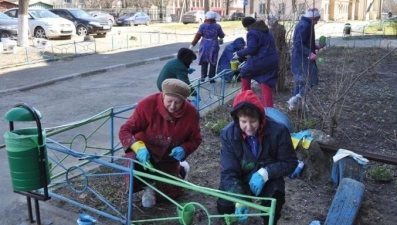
x=195, y=138
x=136, y=123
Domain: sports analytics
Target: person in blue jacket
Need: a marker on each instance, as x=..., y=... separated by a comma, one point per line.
x=262, y=59
x=256, y=154
x=227, y=56
x=303, y=59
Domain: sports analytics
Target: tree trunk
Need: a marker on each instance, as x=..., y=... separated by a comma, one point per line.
x=206, y=5
x=23, y=26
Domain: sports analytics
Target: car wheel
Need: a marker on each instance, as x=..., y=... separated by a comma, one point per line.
x=184, y=23
x=39, y=32
x=81, y=30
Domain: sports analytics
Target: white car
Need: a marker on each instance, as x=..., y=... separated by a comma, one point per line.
x=45, y=24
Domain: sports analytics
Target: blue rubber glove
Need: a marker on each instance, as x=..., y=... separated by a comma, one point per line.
x=178, y=153
x=298, y=169
x=241, y=212
x=191, y=70
x=258, y=180
x=143, y=156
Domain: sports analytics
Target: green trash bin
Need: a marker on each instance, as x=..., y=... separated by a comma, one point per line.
x=23, y=149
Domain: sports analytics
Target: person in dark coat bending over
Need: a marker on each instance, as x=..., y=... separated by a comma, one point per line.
x=256, y=154
x=178, y=68
x=262, y=62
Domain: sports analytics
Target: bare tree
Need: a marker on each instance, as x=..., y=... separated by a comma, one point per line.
x=228, y=6
x=23, y=26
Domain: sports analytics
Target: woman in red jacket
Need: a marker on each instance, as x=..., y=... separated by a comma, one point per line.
x=162, y=132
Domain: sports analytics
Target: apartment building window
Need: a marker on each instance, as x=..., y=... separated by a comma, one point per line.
x=67, y=1
x=281, y=9
x=301, y=8
x=262, y=8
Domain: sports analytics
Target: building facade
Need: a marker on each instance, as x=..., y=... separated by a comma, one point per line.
x=331, y=10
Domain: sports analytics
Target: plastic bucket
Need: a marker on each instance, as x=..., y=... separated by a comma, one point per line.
x=23, y=158
x=234, y=65
x=186, y=213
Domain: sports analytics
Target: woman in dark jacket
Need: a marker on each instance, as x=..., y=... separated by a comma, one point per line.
x=178, y=68
x=303, y=60
x=227, y=56
x=256, y=154
x=262, y=63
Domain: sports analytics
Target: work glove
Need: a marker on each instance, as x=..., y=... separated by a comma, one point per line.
x=191, y=70
x=191, y=47
x=258, y=180
x=298, y=169
x=178, y=153
x=312, y=56
x=241, y=212
x=320, y=46
x=142, y=154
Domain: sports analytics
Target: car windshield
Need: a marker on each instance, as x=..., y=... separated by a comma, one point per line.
x=80, y=14
x=129, y=14
x=191, y=13
x=4, y=16
x=40, y=13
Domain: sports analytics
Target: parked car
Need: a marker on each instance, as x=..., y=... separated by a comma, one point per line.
x=103, y=15
x=45, y=24
x=85, y=24
x=133, y=18
x=8, y=27
x=196, y=16
x=237, y=16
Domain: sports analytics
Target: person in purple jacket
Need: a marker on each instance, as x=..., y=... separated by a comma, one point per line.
x=262, y=62
x=208, y=32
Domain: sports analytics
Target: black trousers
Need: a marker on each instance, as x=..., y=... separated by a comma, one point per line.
x=227, y=207
x=204, y=70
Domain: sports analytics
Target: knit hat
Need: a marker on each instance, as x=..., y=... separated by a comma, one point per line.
x=210, y=15
x=312, y=13
x=175, y=87
x=185, y=53
x=247, y=21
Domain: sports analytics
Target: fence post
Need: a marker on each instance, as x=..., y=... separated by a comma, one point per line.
x=113, y=43
x=27, y=55
x=75, y=48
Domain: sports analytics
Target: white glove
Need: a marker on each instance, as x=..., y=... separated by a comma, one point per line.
x=344, y=153
x=235, y=56
x=191, y=47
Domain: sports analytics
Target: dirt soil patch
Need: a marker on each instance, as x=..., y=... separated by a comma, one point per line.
x=364, y=120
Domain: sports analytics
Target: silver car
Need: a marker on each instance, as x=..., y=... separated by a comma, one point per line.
x=196, y=16
x=103, y=15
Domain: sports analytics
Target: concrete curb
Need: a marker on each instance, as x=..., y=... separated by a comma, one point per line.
x=85, y=74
